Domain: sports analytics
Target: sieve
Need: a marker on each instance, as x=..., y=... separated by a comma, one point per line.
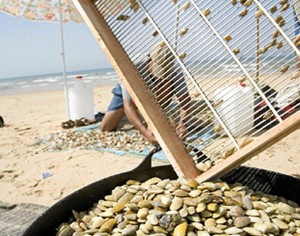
x=231, y=77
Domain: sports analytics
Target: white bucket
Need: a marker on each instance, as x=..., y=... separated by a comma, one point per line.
x=236, y=108
x=81, y=100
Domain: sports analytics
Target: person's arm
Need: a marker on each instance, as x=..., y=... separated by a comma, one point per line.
x=135, y=119
x=184, y=99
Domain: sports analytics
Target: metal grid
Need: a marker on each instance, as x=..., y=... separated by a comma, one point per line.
x=238, y=60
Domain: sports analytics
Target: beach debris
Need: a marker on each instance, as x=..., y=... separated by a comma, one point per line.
x=206, y=12
x=242, y=79
x=46, y=175
x=273, y=43
x=243, y=13
x=229, y=152
x=218, y=128
x=233, y=2
x=276, y=34
x=183, y=31
x=155, y=33
x=227, y=38
x=94, y=139
x=185, y=207
x=218, y=103
x=145, y=20
x=259, y=13
x=281, y=23
x=123, y=17
x=134, y=5
x=174, y=1
x=23, y=128
x=282, y=2
x=204, y=166
x=182, y=56
x=267, y=115
x=279, y=45
x=196, y=94
x=236, y=50
x=273, y=9
x=186, y=6
x=284, y=69
x=295, y=75
x=285, y=7
x=246, y=142
x=163, y=43
x=263, y=50
x=189, y=148
x=278, y=19
x=248, y=3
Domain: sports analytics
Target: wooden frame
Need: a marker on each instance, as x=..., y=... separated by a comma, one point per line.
x=260, y=144
x=173, y=147
x=182, y=163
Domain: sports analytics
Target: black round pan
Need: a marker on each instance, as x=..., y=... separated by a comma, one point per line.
x=83, y=199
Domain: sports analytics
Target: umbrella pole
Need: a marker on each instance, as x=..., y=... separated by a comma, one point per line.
x=63, y=60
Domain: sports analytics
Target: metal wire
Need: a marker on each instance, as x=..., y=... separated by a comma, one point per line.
x=215, y=46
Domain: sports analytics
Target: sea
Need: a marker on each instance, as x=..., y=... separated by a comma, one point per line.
x=108, y=76
x=56, y=81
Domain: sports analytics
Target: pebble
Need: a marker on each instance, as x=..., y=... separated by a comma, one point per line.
x=166, y=207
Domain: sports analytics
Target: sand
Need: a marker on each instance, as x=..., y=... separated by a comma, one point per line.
x=34, y=115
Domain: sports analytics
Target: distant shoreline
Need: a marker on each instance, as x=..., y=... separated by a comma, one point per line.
x=48, y=89
x=53, y=82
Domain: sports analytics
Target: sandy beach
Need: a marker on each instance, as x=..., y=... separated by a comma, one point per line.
x=34, y=115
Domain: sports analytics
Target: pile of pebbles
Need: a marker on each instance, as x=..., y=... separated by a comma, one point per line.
x=94, y=139
x=177, y=207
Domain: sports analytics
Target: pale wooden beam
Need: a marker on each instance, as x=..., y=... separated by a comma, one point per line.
x=260, y=144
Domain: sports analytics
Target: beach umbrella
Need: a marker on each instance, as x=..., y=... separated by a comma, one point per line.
x=46, y=10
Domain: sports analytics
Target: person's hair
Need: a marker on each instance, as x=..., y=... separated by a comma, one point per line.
x=162, y=62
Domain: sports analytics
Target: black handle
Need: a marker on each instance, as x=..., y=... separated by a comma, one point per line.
x=146, y=163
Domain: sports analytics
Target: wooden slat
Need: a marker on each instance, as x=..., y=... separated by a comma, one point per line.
x=257, y=146
x=143, y=98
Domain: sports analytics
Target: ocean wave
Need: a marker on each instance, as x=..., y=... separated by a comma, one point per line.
x=54, y=81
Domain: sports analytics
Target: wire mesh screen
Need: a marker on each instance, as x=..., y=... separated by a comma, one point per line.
x=223, y=71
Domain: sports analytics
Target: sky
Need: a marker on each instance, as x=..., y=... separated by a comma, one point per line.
x=34, y=47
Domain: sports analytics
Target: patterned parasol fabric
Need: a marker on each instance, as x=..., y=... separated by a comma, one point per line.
x=44, y=10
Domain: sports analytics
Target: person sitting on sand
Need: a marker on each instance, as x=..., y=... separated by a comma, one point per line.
x=158, y=72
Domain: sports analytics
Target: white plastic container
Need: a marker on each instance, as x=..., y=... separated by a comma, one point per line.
x=236, y=108
x=81, y=100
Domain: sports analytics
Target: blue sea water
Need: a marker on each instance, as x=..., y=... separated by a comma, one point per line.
x=201, y=70
x=55, y=81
